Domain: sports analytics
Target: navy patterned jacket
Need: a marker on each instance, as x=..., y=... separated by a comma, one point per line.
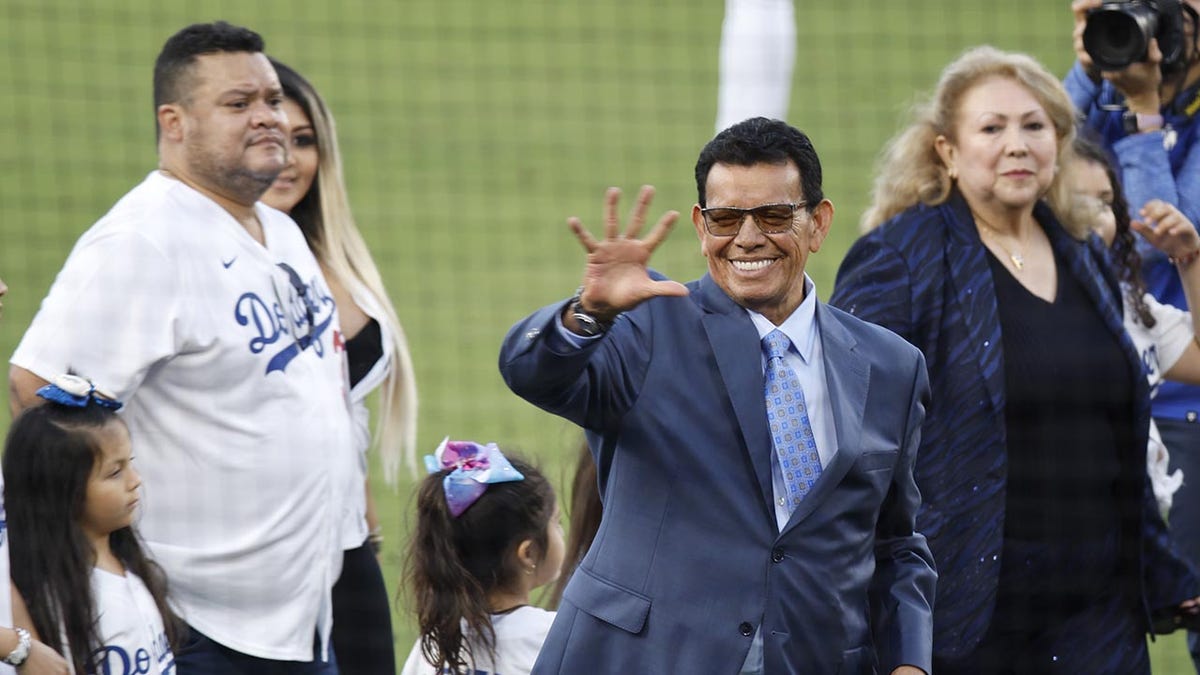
x=924, y=274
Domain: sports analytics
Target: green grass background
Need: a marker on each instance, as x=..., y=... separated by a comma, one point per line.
x=471, y=129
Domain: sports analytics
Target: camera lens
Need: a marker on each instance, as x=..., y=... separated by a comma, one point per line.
x=1119, y=36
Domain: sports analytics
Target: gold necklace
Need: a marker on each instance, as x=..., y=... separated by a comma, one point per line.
x=1017, y=258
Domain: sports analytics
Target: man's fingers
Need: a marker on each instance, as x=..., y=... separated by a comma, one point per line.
x=1153, y=53
x=638, y=217
x=611, y=224
x=661, y=229
x=668, y=288
x=581, y=233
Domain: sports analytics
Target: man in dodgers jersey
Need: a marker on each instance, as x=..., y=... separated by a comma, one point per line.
x=205, y=311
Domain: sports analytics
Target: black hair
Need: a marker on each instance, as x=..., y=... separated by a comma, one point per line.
x=1127, y=262
x=49, y=455
x=584, y=518
x=172, y=68
x=759, y=140
x=453, y=563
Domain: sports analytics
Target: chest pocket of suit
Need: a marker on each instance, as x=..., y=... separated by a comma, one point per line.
x=607, y=601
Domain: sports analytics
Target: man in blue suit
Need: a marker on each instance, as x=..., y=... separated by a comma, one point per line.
x=754, y=446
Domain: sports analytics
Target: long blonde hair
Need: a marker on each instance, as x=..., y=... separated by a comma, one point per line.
x=324, y=217
x=910, y=170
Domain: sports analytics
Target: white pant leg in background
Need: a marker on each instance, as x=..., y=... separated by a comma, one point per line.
x=758, y=50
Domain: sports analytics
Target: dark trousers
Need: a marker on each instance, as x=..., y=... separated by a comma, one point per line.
x=362, y=618
x=200, y=655
x=1182, y=439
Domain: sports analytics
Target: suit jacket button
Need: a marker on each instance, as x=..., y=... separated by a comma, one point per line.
x=777, y=555
x=746, y=629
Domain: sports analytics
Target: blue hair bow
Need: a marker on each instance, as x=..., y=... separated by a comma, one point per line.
x=75, y=392
x=475, y=467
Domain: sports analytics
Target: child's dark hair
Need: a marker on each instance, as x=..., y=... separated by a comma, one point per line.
x=1126, y=262
x=453, y=563
x=49, y=455
x=586, y=511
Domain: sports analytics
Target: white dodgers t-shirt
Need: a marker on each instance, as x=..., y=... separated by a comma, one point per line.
x=1160, y=348
x=519, y=638
x=132, y=636
x=228, y=356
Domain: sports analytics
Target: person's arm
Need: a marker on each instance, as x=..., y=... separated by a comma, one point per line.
x=115, y=310
x=1084, y=66
x=559, y=374
x=1165, y=227
x=22, y=389
x=42, y=660
x=902, y=590
x=374, y=527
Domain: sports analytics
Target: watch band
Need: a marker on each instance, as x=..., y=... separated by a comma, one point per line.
x=1138, y=122
x=24, y=643
x=589, y=326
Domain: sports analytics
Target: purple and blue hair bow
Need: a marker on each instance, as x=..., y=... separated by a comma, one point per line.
x=75, y=392
x=475, y=467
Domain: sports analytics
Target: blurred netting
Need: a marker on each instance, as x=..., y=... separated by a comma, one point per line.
x=470, y=130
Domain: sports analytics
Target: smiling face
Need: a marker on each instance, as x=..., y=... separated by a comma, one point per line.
x=1004, y=146
x=112, y=488
x=231, y=125
x=761, y=272
x=297, y=177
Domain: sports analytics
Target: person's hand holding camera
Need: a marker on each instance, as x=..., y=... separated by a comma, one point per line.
x=1138, y=82
x=1080, y=9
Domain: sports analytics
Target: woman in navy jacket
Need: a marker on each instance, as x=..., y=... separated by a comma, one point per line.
x=1031, y=464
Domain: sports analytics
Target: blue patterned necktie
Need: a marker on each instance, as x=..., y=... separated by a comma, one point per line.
x=787, y=414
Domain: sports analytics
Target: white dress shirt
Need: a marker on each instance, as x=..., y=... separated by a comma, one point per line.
x=804, y=357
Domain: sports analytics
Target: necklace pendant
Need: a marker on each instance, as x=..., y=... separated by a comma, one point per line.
x=1018, y=260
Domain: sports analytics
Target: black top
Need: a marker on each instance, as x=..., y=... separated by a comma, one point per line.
x=1068, y=411
x=364, y=350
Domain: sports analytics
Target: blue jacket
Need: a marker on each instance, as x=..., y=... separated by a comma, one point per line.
x=925, y=275
x=689, y=561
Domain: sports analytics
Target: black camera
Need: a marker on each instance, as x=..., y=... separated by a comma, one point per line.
x=1118, y=32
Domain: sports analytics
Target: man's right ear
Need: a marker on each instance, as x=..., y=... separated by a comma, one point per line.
x=170, y=121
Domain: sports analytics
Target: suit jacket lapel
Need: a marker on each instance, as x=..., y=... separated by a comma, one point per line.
x=738, y=354
x=847, y=378
x=971, y=279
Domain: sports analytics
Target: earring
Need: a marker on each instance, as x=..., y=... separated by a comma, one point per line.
x=952, y=172
x=530, y=570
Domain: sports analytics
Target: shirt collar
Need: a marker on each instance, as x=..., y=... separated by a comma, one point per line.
x=800, y=326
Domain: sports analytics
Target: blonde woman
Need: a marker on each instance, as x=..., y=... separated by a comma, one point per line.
x=311, y=190
x=1031, y=468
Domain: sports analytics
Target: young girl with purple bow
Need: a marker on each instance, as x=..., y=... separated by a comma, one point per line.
x=487, y=534
x=71, y=493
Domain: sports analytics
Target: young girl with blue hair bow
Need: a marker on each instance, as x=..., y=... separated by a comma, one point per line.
x=71, y=494
x=487, y=534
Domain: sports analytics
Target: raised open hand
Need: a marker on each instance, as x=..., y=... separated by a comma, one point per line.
x=1168, y=230
x=615, y=279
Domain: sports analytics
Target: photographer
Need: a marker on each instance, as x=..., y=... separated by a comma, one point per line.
x=1145, y=113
